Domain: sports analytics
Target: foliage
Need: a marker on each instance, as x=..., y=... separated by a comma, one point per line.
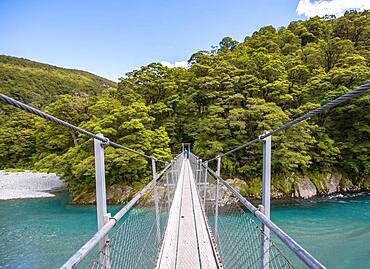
x=226, y=97
x=230, y=95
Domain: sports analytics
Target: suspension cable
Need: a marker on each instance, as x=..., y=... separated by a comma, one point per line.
x=49, y=117
x=358, y=91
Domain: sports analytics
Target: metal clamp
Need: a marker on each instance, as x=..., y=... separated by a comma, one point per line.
x=106, y=142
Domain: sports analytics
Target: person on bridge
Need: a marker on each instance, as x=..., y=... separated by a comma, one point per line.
x=186, y=153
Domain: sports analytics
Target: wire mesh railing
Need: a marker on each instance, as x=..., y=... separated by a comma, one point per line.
x=239, y=235
x=134, y=240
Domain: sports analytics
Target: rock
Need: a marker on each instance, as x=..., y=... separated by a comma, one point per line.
x=236, y=183
x=27, y=184
x=332, y=183
x=277, y=194
x=119, y=193
x=305, y=188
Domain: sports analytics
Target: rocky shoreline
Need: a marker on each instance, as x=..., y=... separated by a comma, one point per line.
x=28, y=184
x=303, y=187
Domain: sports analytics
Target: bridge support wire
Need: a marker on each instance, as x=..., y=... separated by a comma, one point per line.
x=58, y=121
x=356, y=92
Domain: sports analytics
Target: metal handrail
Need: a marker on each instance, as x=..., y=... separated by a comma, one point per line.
x=297, y=249
x=99, y=235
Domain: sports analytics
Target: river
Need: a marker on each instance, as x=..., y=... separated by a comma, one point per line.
x=43, y=233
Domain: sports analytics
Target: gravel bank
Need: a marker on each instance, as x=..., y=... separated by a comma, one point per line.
x=20, y=185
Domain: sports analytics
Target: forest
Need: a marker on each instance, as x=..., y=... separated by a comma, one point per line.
x=227, y=96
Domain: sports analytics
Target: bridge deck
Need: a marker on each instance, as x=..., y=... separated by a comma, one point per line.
x=186, y=243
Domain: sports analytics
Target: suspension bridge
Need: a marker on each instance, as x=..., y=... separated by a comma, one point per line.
x=188, y=216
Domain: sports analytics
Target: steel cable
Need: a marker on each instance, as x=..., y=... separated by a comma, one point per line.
x=49, y=117
x=358, y=91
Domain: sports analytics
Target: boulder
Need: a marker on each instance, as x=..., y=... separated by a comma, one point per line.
x=118, y=193
x=332, y=183
x=305, y=188
x=277, y=194
x=236, y=183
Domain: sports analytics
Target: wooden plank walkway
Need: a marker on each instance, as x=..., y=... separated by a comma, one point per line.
x=186, y=243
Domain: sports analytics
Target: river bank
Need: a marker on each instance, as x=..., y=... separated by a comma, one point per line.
x=302, y=186
x=28, y=184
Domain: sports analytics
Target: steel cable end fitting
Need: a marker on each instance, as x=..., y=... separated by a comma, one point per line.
x=263, y=135
x=106, y=142
x=261, y=208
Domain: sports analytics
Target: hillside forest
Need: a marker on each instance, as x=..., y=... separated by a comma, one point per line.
x=226, y=97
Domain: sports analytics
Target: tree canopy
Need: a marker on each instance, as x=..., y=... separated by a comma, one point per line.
x=228, y=96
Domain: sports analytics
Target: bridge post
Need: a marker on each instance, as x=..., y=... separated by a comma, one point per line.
x=195, y=165
x=101, y=199
x=205, y=183
x=168, y=187
x=173, y=172
x=199, y=171
x=156, y=203
x=196, y=169
x=266, y=189
x=217, y=194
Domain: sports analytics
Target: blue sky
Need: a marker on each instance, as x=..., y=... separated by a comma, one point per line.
x=110, y=38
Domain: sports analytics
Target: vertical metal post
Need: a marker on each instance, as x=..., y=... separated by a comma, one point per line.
x=173, y=172
x=156, y=203
x=266, y=189
x=205, y=183
x=217, y=194
x=195, y=165
x=101, y=199
x=198, y=170
x=200, y=173
x=168, y=187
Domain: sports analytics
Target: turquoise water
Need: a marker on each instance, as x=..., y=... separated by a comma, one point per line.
x=43, y=233
x=335, y=230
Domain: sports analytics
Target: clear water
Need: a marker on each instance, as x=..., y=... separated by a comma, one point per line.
x=335, y=230
x=43, y=233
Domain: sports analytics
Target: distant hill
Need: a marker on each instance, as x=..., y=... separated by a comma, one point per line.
x=39, y=84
